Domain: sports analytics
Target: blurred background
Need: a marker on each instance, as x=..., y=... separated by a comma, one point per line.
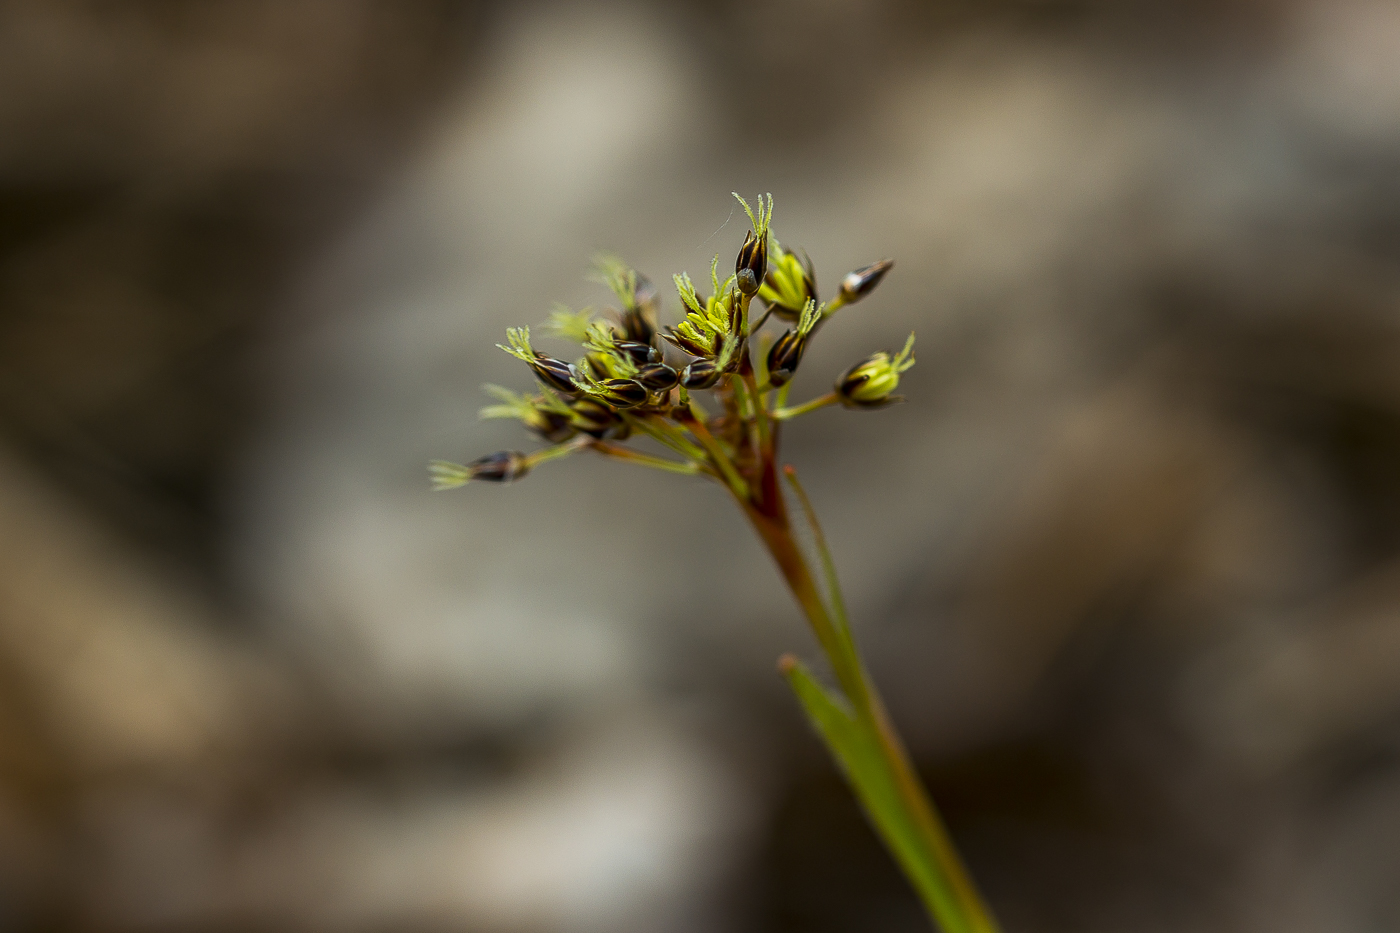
x=1127, y=565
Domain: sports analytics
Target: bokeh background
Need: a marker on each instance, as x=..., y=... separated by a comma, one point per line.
x=1128, y=564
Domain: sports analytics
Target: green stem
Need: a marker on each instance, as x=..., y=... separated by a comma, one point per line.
x=941, y=879
x=666, y=433
x=696, y=425
x=833, y=584
x=765, y=443
x=641, y=459
x=821, y=401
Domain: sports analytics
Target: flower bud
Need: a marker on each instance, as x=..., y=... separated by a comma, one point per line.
x=752, y=265
x=787, y=351
x=701, y=374
x=790, y=284
x=640, y=353
x=870, y=383
x=639, y=318
x=658, y=377
x=784, y=357
x=694, y=341
x=551, y=425
x=621, y=393
x=592, y=417
x=856, y=285
x=503, y=467
x=556, y=374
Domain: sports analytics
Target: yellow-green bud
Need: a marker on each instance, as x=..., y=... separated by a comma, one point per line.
x=871, y=383
x=790, y=284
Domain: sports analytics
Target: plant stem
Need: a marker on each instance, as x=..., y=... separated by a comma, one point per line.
x=941, y=879
x=821, y=401
x=717, y=456
x=637, y=457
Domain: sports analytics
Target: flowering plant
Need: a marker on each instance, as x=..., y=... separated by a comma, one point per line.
x=635, y=377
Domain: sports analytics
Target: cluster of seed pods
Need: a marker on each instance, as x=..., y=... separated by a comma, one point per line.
x=636, y=369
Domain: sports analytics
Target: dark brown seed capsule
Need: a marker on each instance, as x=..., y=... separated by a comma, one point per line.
x=640, y=353
x=638, y=319
x=503, y=467
x=700, y=375
x=554, y=373
x=592, y=417
x=637, y=325
x=657, y=376
x=622, y=393
x=752, y=264
x=551, y=425
x=856, y=285
x=784, y=357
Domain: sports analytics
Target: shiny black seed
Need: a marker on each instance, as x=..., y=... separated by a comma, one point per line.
x=640, y=353
x=554, y=373
x=856, y=285
x=700, y=375
x=752, y=264
x=657, y=376
x=784, y=357
x=623, y=393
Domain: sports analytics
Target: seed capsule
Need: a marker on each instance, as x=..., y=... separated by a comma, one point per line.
x=592, y=417
x=503, y=467
x=551, y=425
x=702, y=374
x=657, y=376
x=856, y=285
x=784, y=357
x=554, y=373
x=639, y=319
x=871, y=382
x=640, y=353
x=621, y=393
x=752, y=264
x=707, y=348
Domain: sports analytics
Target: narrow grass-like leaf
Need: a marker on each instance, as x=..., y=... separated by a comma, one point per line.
x=853, y=744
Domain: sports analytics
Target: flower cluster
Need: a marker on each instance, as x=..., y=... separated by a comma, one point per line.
x=633, y=376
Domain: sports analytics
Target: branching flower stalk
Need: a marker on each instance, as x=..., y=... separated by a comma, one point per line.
x=635, y=378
